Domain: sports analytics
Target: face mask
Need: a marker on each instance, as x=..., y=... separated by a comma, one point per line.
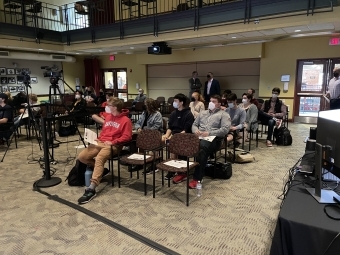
x=107, y=109
x=140, y=93
x=77, y=96
x=193, y=99
x=208, y=76
x=211, y=106
x=274, y=96
x=244, y=101
x=336, y=75
x=231, y=105
x=175, y=105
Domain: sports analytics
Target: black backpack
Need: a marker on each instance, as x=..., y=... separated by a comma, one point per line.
x=76, y=176
x=223, y=170
x=283, y=136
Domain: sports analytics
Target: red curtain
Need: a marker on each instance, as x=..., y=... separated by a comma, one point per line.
x=93, y=74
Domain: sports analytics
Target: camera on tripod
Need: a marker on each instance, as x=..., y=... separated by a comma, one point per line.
x=24, y=77
x=52, y=73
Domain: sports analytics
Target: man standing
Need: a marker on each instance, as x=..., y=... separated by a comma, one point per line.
x=272, y=112
x=117, y=129
x=212, y=122
x=212, y=87
x=195, y=84
x=334, y=90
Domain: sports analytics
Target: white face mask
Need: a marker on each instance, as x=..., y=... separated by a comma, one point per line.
x=140, y=93
x=77, y=96
x=107, y=109
x=231, y=105
x=245, y=101
x=274, y=95
x=175, y=105
x=211, y=106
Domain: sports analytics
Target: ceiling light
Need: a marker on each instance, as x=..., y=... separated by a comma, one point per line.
x=41, y=49
x=233, y=37
x=100, y=50
x=297, y=30
x=132, y=48
x=128, y=52
x=77, y=53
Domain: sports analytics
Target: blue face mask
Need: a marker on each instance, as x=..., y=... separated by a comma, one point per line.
x=231, y=105
x=175, y=105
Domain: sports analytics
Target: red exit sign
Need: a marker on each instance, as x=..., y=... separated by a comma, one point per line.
x=334, y=41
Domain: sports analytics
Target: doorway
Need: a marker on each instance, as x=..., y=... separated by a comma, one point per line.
x=312, y=81
x=115, y=81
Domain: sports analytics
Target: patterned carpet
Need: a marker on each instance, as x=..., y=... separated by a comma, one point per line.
x=233, y=217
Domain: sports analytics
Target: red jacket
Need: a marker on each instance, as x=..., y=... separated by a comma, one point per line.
x=116, y=129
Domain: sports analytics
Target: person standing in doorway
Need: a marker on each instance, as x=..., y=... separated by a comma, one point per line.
x=212, y=87
x=195, y=84
x=333, y=92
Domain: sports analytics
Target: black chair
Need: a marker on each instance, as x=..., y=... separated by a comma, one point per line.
x=251, y=136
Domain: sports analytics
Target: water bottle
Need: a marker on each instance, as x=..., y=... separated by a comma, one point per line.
x=88, y=176
x=199, y=188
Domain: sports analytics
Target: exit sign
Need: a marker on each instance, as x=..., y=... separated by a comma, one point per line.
x=112, y=58
x=334, y=41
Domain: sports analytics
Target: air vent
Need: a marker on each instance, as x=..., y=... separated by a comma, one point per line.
x=59, y=57
x=4, y=53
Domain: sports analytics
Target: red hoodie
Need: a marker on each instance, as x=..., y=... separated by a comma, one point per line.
x=116, y=129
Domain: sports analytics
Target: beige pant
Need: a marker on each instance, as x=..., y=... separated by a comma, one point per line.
x=102, y=153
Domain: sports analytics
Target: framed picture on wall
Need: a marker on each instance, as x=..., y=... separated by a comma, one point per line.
x=3, y=71
x=4, y=88
x=12, y=80
x=18, y=71
x=34, y=80
x=12, y=89
x=4, y=80
x=21, y=89
x=25, y=69
x=19, y=82
x=10, y=71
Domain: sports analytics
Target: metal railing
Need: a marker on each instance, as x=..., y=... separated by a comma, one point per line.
x=85, y=14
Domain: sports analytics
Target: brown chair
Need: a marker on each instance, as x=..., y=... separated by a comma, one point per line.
x=148, y=140
x=185, y=145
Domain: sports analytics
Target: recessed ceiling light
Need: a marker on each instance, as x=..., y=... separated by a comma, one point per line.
x=77, y=53
x=233, y=37
x=41, y=49
x=132, y=48
x=297, y=30
x=128, y=52
x=100, y=50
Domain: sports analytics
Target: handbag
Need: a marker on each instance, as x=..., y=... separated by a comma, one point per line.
x=244, y=157
x=219, y=170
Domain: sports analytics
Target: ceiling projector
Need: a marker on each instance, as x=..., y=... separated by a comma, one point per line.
x=159, y=48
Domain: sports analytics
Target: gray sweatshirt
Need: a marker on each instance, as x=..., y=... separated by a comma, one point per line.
x=238, y=117
x=216, y=122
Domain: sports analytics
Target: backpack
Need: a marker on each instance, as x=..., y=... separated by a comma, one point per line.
x=223, y=170
x=283, y=136
x=76, y=177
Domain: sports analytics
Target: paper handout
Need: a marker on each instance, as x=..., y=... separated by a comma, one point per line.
x=138, y=156
x=208, y=138
x=177, y=163
x=90, y=136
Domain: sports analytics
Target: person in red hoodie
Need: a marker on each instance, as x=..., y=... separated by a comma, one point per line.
x=104, y=114
x=117, y=129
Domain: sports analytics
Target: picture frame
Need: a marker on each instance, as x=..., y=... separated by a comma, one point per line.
x=10, y=71
x=4, y=88
x=3, y=80
x=34, y=80
x=18, y=71
x=12, y=89
x=19, y=82
x=12, y=80
x=25, y=69
x=21, y=89
x=3, y=71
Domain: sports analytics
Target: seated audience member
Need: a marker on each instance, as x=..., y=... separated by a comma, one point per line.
x=224, y=103
x=78, y=103
x=151, y=118
x=272, y=113
x=117, y=129
x=107, y=98
x=6, y=115
x=10, y=99
x=180, y=121
x=211, y=122
x=140, y=98
x=237, y=115
x=101, y=98
x=89, y=91
x=253, y=100
x=33, y=101
x=197, y=104
x=251, y=114
x=90, y=100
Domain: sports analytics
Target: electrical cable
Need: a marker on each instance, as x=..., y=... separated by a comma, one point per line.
x=329, y=246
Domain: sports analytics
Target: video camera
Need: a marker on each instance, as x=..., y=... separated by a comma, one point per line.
x=24, y=77
x=52, y=73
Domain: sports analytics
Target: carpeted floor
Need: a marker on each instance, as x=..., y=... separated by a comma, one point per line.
x=233, y=217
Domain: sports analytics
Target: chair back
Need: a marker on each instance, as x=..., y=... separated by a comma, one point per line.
x=160, y=100
x=170, y=100
x=127, y=105
x=149, y=139
x=139, y=106
x=184, y=144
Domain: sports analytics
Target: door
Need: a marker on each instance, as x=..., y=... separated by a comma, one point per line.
x=311, y=85
x=115, y=81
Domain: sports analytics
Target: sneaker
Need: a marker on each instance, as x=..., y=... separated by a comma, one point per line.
x=269, y=143
x=169, y=175
x=278, y=123
x=193, y=184
x=87, y=197
x=179, y=178
x=106, y=172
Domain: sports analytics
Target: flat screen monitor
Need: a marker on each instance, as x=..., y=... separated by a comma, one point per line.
x=329, y=135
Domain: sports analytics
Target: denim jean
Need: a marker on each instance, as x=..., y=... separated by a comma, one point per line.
x=267, y=120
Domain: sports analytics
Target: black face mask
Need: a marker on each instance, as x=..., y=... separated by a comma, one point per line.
x=208, y=76
x=193, y=99
x=336, y=75
x=224, y=102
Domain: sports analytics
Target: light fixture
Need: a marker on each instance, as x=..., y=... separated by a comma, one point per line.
x=100, y=50
x=297, y=30
x=132, y=48
x=77, y=53
x=41, y=49
x=234, y=37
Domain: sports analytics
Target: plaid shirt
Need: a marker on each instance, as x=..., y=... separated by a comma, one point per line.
x=334, y=88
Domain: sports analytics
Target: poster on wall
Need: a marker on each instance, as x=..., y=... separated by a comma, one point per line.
x=11, y=80
x=2, y=71
x=12, y=89
x=21, y=89
x=19, y=82
x=17, y=71
x=4, y=80
x=4, y=88
x=34, y=80
x=10, y=71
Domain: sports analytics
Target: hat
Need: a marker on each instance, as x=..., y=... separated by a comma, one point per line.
x=3, y=96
